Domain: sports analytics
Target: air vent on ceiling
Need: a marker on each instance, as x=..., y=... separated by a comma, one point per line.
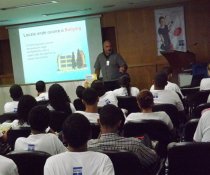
x=109, y=6
x=4, y=20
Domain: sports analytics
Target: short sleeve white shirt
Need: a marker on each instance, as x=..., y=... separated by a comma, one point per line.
x=108, y=98
x=40, y=142
x=42, y=97
x=123, y=91
x=92, y=117
x=167, y=97
x=162, y=116
x=85, y=163
x=11, y=106
x=205, y=84
x=202, y=133
x=7, y=166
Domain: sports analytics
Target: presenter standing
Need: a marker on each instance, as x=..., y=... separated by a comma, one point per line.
x=109, y=63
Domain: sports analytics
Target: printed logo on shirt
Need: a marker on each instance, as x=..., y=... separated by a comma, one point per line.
x=15, y=110
x=107, y=101
x=77, y=170
x=155, y=95
x=31, y=147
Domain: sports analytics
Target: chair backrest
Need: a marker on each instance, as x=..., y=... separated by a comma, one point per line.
x=169, y=109
x=111, y=85
x=29, y=162
x=189, y=158
x=198, y=110
x=199, y=98
x=125, y=163
x=129, y=103
x=56, y=120
x=8, y=117
x=43, y=102
x=79, y=106
x=189, y=130
x=13, y=134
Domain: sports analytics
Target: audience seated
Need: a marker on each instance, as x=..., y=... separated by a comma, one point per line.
x=202, y=133
x=170, y=86
x=41, y=90
x=39, y=140
x=126, y=89
x=104, y=97
x=145, y=102
x=15, y=93
x=205, y=82
x=59, y=100
x=7, y=166
x=78, y=102
x=78, y=160
x=162, y=96
x=110, y=121
x=90, y=99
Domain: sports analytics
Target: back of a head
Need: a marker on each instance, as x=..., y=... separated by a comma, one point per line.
x=110, y=115
x=40, y=86
x=58, y=98
x=79, y=91
x=39, y=118
x=160, y=80
x=16, y=92
x=169, y=71
x=145, y=99
x=124, y=81
x=76, y=130
x=99, y=87
x=26, y=103
x=90, y=96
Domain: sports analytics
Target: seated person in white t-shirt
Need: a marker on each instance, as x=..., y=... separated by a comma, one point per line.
x=145, y=102
x=15, y=93
x=78, y=160
x=170, y=86
x=104, y=97
x=59, y=100
x=205, y=82
x=39, y=140
x=126, y=89
x=162, y=96
x=41, y=90
x=78, y=104
x=202, y=133
x=7, y=166
x=90, y=99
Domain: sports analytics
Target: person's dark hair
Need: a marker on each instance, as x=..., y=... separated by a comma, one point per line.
x=79, y=91
x=26, y=103
x=124, y=81
x=40, y=86
x=110, y=115
x=160, y=18
x=99, y=87
x=76, y=130
x=160, y=80
x=39, y=118
x=16, y=92
x=90, y=96
x=167, y=70
x=59, y=99
x=145, y=99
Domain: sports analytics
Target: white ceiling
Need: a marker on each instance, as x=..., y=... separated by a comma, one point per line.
x=26, y=11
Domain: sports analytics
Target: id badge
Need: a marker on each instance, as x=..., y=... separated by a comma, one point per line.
x=107, y=63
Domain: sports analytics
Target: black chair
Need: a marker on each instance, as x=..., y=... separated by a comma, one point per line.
x=56, y=120
x=111, y=85
x=171, y=110
x=79, y=106
x=129, y=103
x=198, y=110
x=43, y=102
x=155, y=129
x=125, y=163
x=189, y=158
x=13, y=134
x=29, y=162
x=189, y=130
x=8, y=117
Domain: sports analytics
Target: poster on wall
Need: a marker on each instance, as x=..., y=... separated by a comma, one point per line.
x=170, y=29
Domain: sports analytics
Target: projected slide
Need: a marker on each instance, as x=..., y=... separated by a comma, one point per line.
x=56, y=52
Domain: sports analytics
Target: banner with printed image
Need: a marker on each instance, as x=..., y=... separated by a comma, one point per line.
x=170, y=29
